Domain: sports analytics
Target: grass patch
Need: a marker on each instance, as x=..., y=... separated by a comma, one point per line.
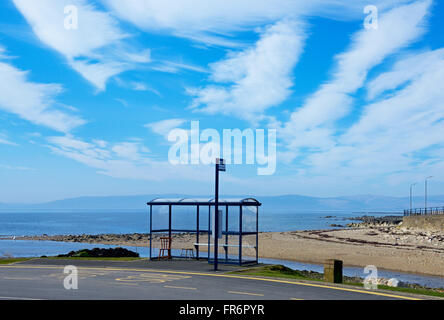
x=421, y=291
x=279, y=271
x=12, y=260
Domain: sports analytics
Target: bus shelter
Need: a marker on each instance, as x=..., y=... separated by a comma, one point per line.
x=238, y=220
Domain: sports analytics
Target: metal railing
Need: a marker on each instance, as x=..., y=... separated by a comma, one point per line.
x=424, y=211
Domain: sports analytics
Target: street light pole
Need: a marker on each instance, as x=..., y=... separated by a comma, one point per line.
x=220, y=166
x=425, y=193
x=411, y=186
x=216, y=217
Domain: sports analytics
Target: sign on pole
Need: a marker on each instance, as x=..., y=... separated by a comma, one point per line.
x=220, y=165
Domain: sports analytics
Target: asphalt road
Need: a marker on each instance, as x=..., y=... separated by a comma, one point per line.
x=44, y=279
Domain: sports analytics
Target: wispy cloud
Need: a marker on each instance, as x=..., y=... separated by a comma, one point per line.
x=213, y=23
x=396, y=138
x=18, y=168
x=312, y=125
x=32, y=101
x=126, y=160
x=176, y=67
x=4, y=139
x=164, y=127
x=258, y=78
x=403, y=72
x=96, y=49
x=399, y=138
x=136, y=86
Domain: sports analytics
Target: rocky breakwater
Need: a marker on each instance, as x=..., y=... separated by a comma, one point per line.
x=375, y=222
x=132, y=239
x=127, y=239
x=396, y=231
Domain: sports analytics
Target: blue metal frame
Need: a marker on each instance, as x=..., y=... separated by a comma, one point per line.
x=198, y=204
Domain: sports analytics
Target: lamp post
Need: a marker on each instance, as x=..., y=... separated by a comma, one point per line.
x=411, y=186
x=425, y=193
x=220, y=166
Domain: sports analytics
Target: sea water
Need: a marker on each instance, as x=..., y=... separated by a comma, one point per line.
x=18, y=223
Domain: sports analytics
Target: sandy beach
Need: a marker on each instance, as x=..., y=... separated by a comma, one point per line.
x=386, y=246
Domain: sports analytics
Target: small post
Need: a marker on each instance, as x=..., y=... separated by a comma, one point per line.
x=333, y=271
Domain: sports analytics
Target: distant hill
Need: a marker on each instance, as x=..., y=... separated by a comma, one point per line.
x=358, y=203
x=284, y=203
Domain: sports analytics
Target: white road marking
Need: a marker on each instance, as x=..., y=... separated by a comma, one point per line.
x=246, y=293
x=17, y=298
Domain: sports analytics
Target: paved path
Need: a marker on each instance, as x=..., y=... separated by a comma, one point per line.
x=169, y=280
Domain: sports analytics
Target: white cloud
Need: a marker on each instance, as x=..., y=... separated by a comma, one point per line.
x=415, y=111
x=312, y=124
x=164, y=127
x=95, y=29
x=258, y=77
x=129, y=150
x=98, y=73
x=397, y=140
x=17, y=168
x=176, y=67
x=96, y=49
x=138, y=86
x=126, y=160
x=405, y=70
x=32, y=101
x=212, y=22
x=5, y=140
x=3, y=54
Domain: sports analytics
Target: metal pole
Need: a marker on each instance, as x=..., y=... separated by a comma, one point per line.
x=411, y=201
x=169, y=232
x=257, y=234
x=197, y=234
x=240, y=235
x=216, y=217
x=425, y=196
x=209, y=235
x=169, y=222
x=151, y=229
x=226, y=234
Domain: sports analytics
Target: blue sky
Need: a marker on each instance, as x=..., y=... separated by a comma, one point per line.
x=87, y=111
